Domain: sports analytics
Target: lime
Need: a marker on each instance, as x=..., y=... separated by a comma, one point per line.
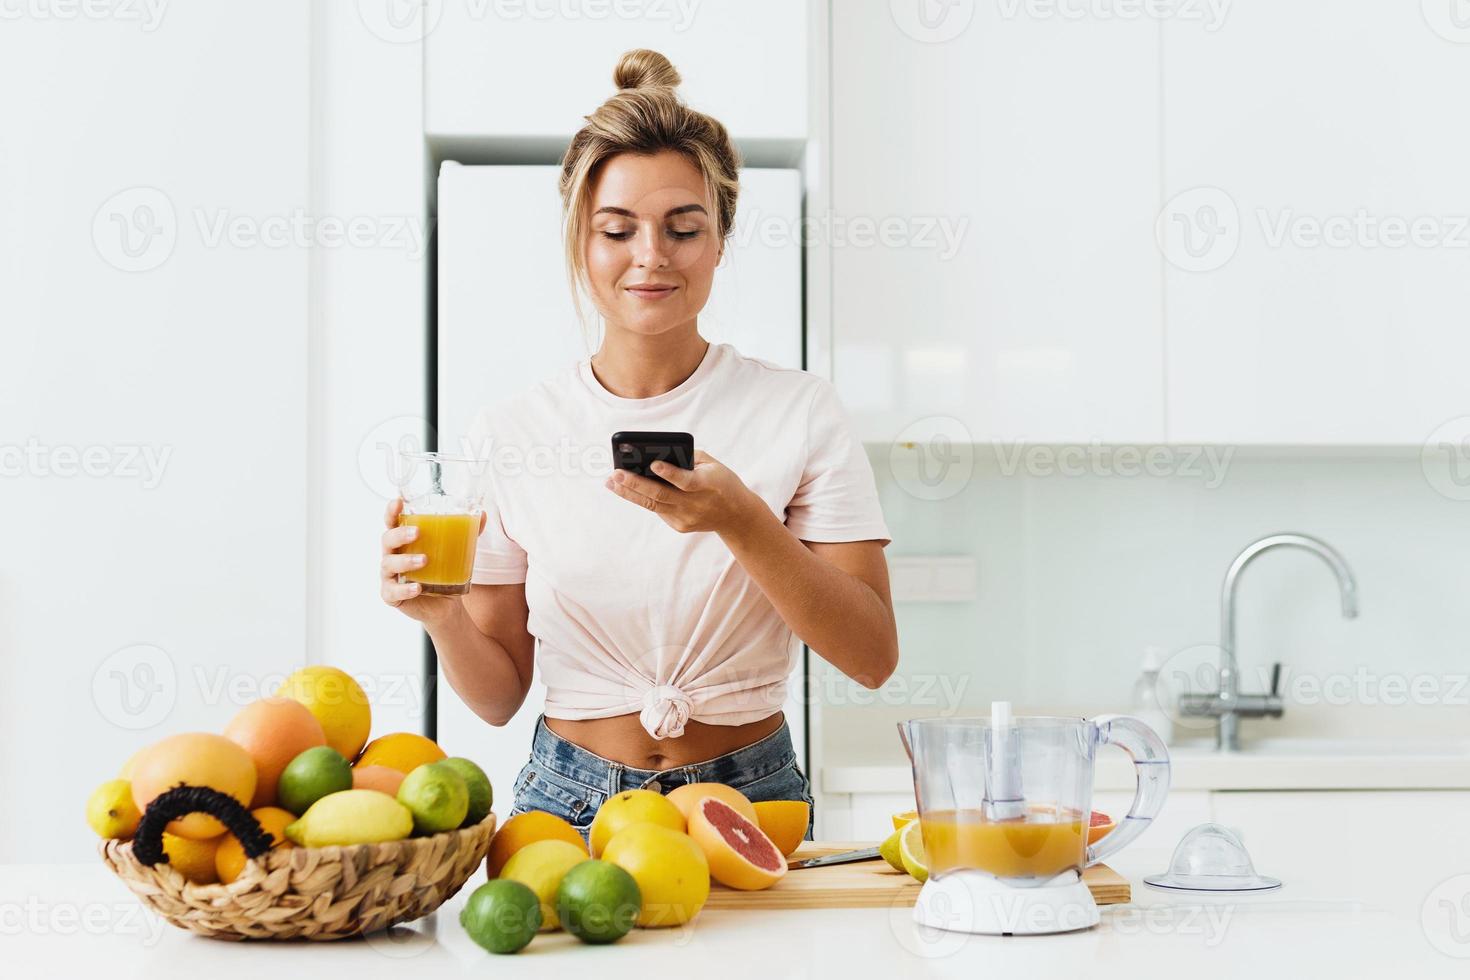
x=888, y=850
x=315, y=773
x=597, y=901
x=437, y=796
x=481, y=796
x=911, y=850
x=502, y=915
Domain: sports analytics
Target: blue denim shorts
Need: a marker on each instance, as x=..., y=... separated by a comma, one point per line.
x=565, y=779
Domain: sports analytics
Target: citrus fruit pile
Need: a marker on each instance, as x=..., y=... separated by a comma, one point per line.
x=648, y=861
x=302, y=763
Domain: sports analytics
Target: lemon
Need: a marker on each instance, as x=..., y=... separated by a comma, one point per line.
x=540, y=867
x=194, y=859
x=337, y=701
x=670, y=870
x=352, y=816
x=437, y=797
x=111, y=811
x=888, y=850
x=631, y=807
x=911, y=850
x=900, y=820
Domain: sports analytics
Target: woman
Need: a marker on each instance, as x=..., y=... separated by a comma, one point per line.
x=665, y=611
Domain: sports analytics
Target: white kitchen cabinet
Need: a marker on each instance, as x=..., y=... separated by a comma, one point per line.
x=991, y=240
x=534, y=68
x=506, y=321
x=1297, y=165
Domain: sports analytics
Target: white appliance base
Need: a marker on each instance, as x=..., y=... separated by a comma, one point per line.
x=975, y=902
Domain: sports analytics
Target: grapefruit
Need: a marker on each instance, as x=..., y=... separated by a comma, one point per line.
x=274, y=731
x=380, y=778
x=337, y=701
x=686, y=796
x=526, y=828
x=739, y=854
x=670, y=870
x=630, y=807
x=194, y=759
x=1099, y=826
x=784, y=822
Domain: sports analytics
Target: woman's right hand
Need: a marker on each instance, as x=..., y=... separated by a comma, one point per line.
x=407, y=597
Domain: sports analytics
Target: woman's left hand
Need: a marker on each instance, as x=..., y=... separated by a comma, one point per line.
x=709, y=497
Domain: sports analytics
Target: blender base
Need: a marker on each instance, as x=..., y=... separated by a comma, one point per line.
x=975, y=902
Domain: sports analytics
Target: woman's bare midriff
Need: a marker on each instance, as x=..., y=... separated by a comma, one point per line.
x=623, y=738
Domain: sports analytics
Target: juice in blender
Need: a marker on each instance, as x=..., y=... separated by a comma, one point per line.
x=1038, y=845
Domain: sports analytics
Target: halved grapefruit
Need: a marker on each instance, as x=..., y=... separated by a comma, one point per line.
x=740, y=855
x=1100, y=826
x=691, y=793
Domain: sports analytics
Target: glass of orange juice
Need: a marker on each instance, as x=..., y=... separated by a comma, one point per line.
x=443, y=496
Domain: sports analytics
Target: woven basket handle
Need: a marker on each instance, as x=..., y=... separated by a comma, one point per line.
x=183, y=800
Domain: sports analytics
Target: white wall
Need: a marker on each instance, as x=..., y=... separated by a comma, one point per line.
x=199, y=117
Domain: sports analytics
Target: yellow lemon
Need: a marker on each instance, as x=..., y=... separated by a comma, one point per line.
x=194, y=859
x=911, y=850
x=404, y=751
x=229, y=858
x=628, y=808
x=540, y=867
x=351, y=816
x=671, y=870
x=111, y=811
x=526, y=828
x=901, y=820
x=337, y=701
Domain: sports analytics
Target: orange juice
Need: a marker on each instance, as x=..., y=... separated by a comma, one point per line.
x=449, y=542
x=1037, y=846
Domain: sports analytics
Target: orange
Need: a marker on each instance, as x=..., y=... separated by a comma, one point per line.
x=686, y=796
x=671, y=871
x=739, y=855
x=380, y=778
x=229, y=857
x=194, y=859
x=784, y=822
x=195, y=759
x=404, y=751
x=630, y=807
x=274, y=731
x=527, y=828
x=337, y=701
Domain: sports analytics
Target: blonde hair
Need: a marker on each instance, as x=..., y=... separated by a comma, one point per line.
x=646, y=116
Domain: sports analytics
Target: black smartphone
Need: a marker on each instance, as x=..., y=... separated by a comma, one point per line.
x=634, y=451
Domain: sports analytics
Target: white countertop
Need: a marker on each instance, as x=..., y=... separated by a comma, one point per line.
x=69, y=921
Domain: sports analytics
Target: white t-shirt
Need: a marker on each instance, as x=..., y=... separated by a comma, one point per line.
x=632, y=615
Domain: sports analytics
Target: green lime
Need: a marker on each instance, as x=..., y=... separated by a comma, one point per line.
x=502, y=915
x=437, y=796
x=315, y=773
x=597, y=901
x=481, y=796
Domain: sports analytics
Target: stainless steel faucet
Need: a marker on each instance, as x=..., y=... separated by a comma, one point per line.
x=1228, y=704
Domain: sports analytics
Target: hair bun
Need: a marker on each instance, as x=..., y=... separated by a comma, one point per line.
x=642, y=68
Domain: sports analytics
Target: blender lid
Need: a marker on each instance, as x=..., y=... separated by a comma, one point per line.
x=1212, y=858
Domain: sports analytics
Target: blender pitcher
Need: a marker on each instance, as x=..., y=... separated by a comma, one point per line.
x=1004, y=807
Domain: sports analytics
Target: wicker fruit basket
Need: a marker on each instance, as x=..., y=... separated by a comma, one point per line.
x=295, y=892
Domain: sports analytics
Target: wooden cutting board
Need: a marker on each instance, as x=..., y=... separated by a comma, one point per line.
x=868, y=884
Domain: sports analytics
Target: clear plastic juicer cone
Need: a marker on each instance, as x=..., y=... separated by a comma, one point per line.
x=1015, y=802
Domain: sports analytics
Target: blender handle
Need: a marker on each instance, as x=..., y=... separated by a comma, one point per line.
x=1151, y=763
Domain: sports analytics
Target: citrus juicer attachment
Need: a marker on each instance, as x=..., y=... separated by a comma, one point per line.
x=1004, y=807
